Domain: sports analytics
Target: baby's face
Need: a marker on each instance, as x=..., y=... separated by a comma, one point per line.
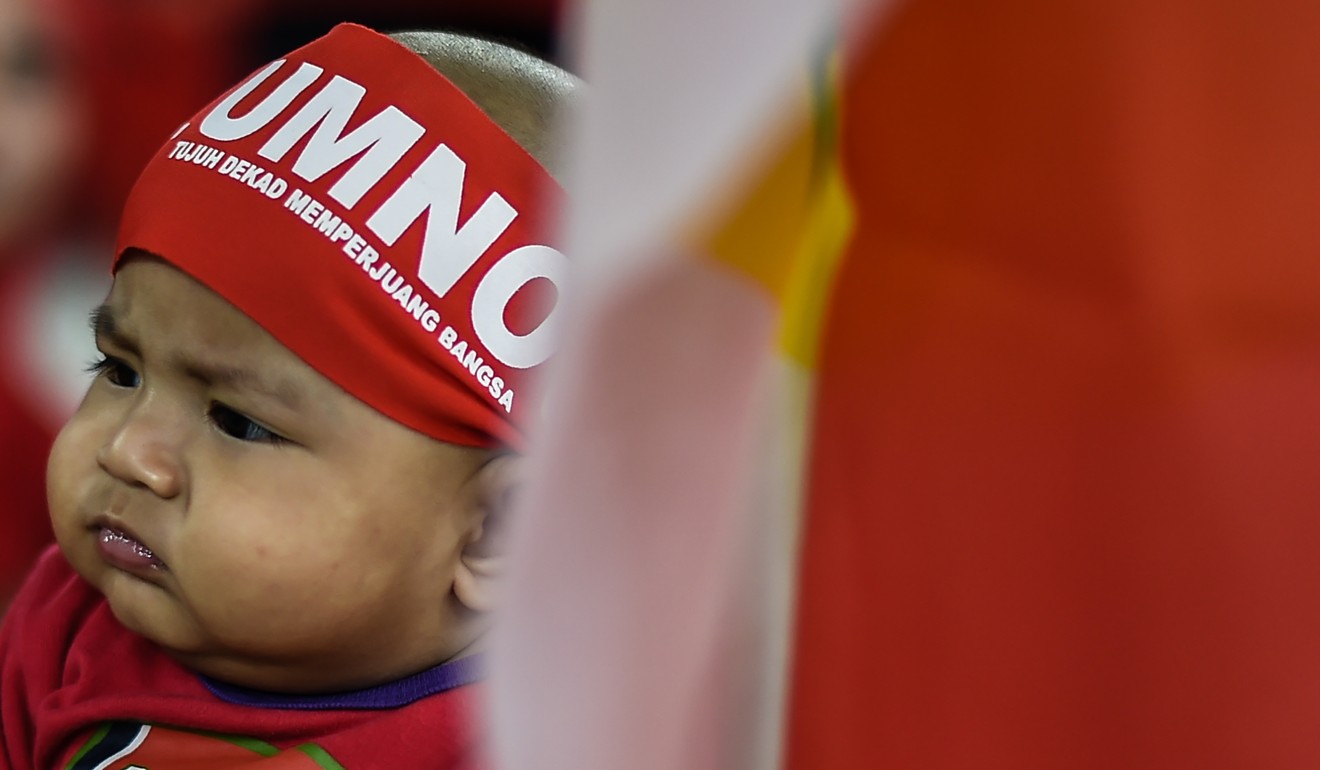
x=246, y=514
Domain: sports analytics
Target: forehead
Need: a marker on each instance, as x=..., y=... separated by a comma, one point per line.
x=151, y=297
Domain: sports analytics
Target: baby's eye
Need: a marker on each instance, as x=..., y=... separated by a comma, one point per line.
x=115, y=372
x=232, y=423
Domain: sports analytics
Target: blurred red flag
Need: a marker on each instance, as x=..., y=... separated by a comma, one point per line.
x=1062, y=499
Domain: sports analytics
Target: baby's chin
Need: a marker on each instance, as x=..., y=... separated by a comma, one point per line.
x=148, y=609
x=284, y=676
x=151, y=612
x=203, y=638
x=237, y=666
x=277, y=664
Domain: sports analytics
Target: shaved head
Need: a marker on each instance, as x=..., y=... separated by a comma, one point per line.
x=523, y=94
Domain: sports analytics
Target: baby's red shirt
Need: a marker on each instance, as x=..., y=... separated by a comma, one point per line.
x=77, y=689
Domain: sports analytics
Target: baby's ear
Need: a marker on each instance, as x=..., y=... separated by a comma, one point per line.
x=481, y=563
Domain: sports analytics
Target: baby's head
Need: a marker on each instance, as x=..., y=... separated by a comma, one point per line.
x=291, y=469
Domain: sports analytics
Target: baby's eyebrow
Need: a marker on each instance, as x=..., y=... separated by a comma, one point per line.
x=106, y=327
x=225, y=375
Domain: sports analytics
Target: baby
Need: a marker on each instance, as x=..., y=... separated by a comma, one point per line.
x=279, y=507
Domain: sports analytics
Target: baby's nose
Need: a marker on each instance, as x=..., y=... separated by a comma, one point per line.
x=145, y=452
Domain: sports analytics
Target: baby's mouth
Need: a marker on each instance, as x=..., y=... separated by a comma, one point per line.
x=123, y=551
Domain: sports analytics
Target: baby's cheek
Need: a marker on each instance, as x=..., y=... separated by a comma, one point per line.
x=257, y=556
x=267, y=567
x=69, y=471
x=254, y=601
x=242, y=552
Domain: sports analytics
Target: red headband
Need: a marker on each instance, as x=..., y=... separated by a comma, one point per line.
x=366, y=213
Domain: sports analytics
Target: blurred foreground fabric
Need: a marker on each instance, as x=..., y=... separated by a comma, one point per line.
x=1039, y=493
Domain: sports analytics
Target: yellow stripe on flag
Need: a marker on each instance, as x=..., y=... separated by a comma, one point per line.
x=827, y=229
x=788, y=231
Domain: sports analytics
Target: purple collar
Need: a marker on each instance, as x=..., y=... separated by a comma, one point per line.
x=390, y=695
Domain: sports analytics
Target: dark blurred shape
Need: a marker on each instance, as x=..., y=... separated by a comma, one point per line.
x=38, y=122
x=528, y=24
